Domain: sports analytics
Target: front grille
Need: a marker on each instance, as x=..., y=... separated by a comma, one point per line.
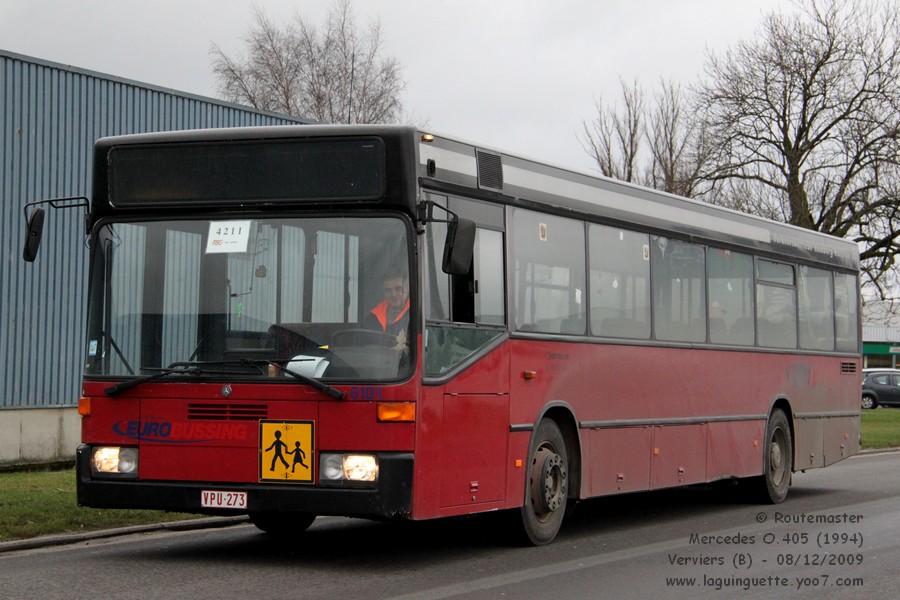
x=227, y=412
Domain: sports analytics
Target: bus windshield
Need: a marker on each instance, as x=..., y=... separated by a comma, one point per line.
x=326, y=298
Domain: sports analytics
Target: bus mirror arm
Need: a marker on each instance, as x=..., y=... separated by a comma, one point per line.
x=460, y=243
x=34, y=222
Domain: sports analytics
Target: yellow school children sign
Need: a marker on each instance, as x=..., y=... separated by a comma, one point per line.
x=287, y=451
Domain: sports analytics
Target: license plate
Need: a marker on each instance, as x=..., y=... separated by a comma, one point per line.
x=223, y=499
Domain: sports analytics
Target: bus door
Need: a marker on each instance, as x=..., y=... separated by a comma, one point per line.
x=466, y=366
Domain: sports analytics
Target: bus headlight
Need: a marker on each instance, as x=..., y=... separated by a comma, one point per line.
x=114, y=461
x=347, y=468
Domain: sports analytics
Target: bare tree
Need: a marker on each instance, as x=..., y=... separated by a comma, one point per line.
x=805, y=120
x=657, y=144
x=678, y=143
x=613, y=138
x=333, y=74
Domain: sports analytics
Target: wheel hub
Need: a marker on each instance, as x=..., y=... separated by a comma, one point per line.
x=549, y=481
x=775, y=456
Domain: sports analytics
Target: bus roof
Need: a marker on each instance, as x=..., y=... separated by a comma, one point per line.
x=533, y=184
x=519, y=181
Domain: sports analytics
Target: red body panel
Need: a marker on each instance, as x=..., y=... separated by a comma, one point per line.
x=653, y=417
x=191, y=432
x=646, y=417
x=461, y=441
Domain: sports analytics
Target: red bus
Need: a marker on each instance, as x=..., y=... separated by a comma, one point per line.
x=380, y=322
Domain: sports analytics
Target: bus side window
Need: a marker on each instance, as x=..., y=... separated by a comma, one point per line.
x=548, y=276
x=490, y=305
x=477, y=297
x=462, y=297
x=454, y=304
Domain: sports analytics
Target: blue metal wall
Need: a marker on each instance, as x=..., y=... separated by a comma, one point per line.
x=50, y=116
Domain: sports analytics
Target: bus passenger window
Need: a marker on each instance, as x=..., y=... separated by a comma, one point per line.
x=620, y=283
x=730, y=282
x=679, y=290
x=549, y=271
x=776, y=305
x=846, y=292
x=816, y=309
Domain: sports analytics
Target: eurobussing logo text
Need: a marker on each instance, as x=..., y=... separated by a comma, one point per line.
x=160, y=431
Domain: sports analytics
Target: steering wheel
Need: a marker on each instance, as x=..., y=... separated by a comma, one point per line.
x=363, y=337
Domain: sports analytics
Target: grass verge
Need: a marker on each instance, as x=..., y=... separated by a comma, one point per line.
x=34, y=503
x=880, y=428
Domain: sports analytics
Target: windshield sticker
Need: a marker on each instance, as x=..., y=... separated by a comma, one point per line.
x=227, y=237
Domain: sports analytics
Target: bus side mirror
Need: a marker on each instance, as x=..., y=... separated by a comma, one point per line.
x=459, y=247
x=34, y=231
x=34, y=222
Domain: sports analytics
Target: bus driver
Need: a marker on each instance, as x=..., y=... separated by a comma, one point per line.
x=391, y=315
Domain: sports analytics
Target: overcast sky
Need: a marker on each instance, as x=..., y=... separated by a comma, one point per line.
x=516, y=75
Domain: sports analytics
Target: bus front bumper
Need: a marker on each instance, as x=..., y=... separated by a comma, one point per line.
x=391, y=496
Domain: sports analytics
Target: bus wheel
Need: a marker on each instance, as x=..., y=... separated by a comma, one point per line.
x=778, y=460
x=282, y=524
x=547, y=484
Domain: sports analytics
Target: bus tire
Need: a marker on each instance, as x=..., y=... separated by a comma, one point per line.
x=778, y=461
x=282, y=524
x=547, y=485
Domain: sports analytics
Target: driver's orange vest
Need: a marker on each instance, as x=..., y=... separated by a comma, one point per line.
x=380, y=313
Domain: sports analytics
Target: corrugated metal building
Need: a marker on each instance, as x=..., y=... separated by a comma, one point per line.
x=50, y=116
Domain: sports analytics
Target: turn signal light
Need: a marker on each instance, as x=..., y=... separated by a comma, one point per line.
x=396, y=412
x=84, y=407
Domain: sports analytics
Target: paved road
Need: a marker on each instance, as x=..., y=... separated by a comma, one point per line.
x=837, y=536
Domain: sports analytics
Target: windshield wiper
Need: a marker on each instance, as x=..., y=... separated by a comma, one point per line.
x=193, y=368
x=175, y=368
x=315, y=383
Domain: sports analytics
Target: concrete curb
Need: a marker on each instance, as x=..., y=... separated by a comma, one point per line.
x=876, y=451
x=62, y=539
